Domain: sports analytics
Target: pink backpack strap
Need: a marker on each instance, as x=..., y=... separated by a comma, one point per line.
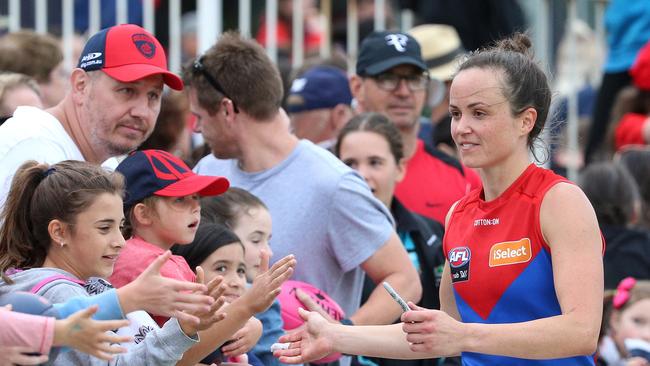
x=50, y=279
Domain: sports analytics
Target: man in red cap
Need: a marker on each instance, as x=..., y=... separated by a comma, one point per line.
x=110, y=109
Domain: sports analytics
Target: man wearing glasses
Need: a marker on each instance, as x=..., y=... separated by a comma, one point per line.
x=392, y=78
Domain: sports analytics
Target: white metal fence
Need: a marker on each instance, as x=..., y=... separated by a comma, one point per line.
x=210, y=25
x=210, y=22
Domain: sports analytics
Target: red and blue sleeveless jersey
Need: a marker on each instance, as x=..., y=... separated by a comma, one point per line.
x=500, y=264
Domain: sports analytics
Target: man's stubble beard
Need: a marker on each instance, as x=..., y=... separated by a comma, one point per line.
x=105, y=147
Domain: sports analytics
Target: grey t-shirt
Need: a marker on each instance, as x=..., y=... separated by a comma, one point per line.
x=164, y=346
x=323, y=212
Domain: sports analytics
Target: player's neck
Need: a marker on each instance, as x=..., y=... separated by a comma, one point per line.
x=497, y=179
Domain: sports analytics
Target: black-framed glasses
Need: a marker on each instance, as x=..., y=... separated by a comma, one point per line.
x=390, y=82
x=198, y=66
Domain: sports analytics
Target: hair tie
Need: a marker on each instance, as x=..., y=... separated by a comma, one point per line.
x=12, y=271
x=48, y=172
x=623, y=292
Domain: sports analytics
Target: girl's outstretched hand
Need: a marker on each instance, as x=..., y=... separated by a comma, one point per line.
x=90, y=336
x=311, y=305
x=244, y=339
x=209, y=316
x=14, y=355
x=266, y=286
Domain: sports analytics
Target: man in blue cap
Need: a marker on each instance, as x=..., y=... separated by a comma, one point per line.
x=319, y=104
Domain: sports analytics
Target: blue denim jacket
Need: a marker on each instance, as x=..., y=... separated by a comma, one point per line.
x=272, y=330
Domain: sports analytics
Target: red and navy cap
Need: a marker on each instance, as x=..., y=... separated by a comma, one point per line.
x=157, y=172
x=127, y=53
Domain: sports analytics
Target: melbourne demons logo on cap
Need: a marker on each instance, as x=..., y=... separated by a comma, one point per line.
x=157, y=172
x=166, y=166
x=144, y=44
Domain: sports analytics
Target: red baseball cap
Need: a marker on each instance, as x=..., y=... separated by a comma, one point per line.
x=157, y=172
x=640, y=70
x=127, y=53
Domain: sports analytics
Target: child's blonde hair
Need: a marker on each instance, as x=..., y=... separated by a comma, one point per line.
x=227, y=208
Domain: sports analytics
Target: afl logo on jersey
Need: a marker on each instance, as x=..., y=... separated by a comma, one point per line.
x=459, y=257
x=459, y=264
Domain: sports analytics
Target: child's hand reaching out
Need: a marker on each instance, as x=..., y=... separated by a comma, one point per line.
x=267, y=284
x=216, y=288
x=244, y=339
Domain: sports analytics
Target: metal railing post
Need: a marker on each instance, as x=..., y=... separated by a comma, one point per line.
x=207, y=11
x=298, y=34
x=175, y=37
x=353, y=35
x=380, y=15
x=41, y=16
x=245, y=18
x=271, y=29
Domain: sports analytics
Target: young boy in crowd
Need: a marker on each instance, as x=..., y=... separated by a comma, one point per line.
x=161, y=208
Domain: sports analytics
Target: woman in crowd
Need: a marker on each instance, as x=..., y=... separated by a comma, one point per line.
x=637, y=161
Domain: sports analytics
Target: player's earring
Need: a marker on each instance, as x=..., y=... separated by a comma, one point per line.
x=62, y=244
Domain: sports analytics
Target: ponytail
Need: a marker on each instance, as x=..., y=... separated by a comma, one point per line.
x=19, y=239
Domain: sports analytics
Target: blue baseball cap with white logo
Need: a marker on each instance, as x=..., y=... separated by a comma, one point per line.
x=381, y=51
